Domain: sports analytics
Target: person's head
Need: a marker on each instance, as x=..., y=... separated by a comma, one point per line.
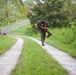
x=42, y=23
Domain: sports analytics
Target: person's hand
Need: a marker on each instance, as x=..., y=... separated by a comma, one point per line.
x=45, y=28
x=35, y=24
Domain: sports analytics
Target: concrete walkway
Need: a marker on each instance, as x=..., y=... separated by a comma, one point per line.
x=7, y=29
x=65, y=60
x=9, y=59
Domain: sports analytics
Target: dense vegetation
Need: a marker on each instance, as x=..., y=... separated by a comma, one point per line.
x=59, y=13
x=12, y=11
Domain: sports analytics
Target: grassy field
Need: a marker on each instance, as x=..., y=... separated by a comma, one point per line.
x=6, y=43
x=23, y=30
x=60, y=39
x=35, y=61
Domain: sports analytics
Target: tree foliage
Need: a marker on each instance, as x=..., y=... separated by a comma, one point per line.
x=11, y=10
x=57, y=12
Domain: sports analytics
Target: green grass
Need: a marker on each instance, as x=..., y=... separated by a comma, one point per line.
x=61, y=46
x=35, y=61
x=21, y=30
x=57, y=39
x=6, y=43
x=25, y=30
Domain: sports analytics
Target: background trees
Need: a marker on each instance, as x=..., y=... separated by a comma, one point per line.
x=12, y=10
x=59, y=13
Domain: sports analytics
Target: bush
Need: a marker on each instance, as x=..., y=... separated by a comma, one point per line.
x=57, y=12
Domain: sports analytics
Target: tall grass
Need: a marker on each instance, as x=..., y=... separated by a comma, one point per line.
x=6, y=43
x=35, y=61
x=63, y=39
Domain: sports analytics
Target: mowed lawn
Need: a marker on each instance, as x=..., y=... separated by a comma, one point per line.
x=36, y=61
x=6, y=43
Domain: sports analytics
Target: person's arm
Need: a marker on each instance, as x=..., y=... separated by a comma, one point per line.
x=44, y=28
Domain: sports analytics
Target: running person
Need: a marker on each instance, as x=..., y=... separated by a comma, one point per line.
x=43, y=27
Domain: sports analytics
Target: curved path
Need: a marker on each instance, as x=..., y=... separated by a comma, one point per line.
x=9, y=59
x=7, y=29
x=65, y=60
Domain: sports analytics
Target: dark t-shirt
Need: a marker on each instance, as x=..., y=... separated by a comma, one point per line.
x=39, y=24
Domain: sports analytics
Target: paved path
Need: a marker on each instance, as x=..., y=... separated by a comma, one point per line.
x=63, y=58
x=7, y=29
x=9, y=59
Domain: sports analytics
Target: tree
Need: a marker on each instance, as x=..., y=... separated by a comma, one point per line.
x=57, y=12
x=10, y=10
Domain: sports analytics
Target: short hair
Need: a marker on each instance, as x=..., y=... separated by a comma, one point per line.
x=42, y=22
